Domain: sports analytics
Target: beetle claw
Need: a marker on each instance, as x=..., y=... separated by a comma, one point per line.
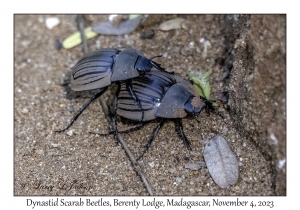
x=60, y=131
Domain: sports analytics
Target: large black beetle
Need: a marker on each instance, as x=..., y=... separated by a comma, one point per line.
x=162, y=95
x=101, y=68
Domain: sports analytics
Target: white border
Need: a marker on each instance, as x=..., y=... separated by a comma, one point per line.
x=152, y=6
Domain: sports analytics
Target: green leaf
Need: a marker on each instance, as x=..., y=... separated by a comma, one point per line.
x=75, y=39
x=133, y=16
x=201, y=82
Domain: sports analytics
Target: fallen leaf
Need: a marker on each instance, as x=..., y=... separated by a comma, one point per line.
x=171, y=24
x=221, y=162
x=125, y=27
x=75, y=39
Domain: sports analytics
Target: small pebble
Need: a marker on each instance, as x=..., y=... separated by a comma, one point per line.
x=51, y=22
x=160, y=178
x=281, y=163
x=204, y=171
x=40, y=152
x=147, y=34
x=55, y=145
x=70, y=132
x=172, y=170
x=111, y=17
x=238, y=152
x=178, y=179
x=25, y=43
x=194, y=166
x=70, y=107
x=221, y=109
x=119, y=185
x=25, y=111
x=225, y=130
x=151, y=164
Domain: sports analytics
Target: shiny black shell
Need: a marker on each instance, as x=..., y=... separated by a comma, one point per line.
x=102, y=67
x=161, y=94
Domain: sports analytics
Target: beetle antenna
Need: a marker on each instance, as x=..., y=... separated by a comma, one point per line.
x=209, y=106
x=156, y=57
x=158, y=66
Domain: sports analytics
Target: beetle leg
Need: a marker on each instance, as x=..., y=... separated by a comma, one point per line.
x=79, y=112
x=103, y=134
x=185, y=140
x=114, y=118
x=209, y=106
x=137, y=126
x=134, y=96
x=152, y=138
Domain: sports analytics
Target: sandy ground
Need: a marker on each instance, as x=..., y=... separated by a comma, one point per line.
x=47, y=163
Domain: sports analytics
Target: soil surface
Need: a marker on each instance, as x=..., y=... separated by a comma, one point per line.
x=79, y=163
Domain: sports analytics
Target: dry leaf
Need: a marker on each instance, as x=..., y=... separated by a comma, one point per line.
x=221, y=162
x=171, y=24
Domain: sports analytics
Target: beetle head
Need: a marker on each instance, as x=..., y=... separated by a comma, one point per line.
x=193, y=105
x=142, y=64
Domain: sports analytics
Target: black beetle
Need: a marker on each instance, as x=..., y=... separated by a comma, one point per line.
x=162, y=95
x=101, y=68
